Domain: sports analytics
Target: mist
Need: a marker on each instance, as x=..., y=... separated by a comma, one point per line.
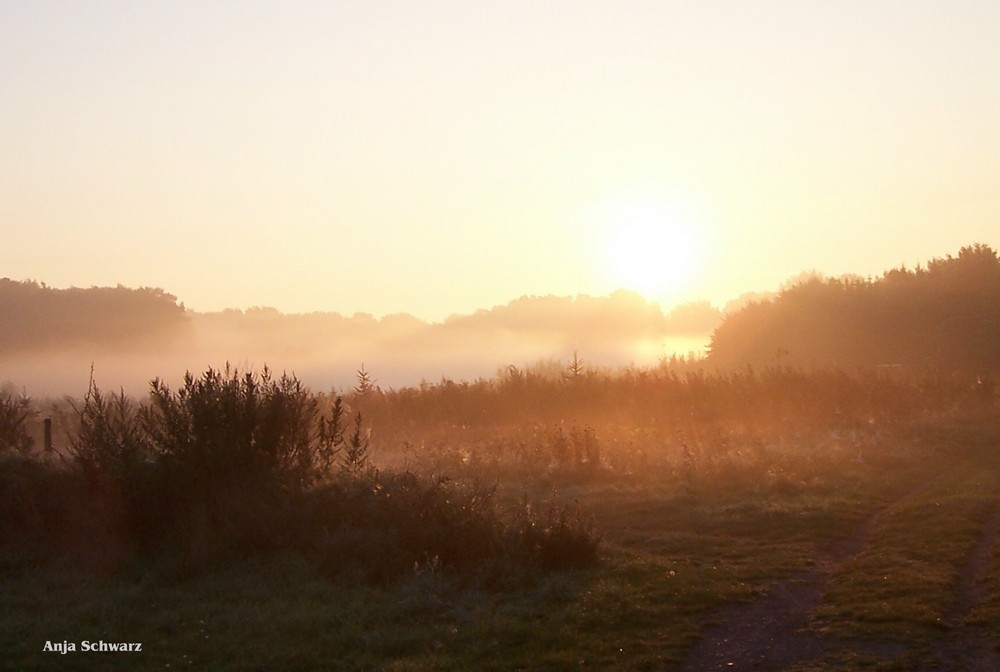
x=52, y=356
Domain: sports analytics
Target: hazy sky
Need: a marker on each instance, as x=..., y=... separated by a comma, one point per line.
x=437, y=157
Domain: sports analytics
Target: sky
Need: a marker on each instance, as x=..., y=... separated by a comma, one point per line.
x=439, y=157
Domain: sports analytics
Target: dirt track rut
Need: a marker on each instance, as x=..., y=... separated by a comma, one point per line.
x=969, y=648
x=772, y=633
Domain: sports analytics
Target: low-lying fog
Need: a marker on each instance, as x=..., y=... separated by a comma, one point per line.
x=325, y=350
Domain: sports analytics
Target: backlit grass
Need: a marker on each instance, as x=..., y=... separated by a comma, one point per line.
x=902, y=585
x=690, y=520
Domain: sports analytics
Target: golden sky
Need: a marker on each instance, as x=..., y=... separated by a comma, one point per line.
x=438, y=157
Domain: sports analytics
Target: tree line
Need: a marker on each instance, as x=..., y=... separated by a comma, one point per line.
x=36, y=316
x=944, y=316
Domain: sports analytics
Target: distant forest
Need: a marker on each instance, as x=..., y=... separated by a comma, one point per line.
x=36, y=317
x=40, y=318
x=945, y=316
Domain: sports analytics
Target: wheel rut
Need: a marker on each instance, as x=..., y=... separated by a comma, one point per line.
x=969, y=647
x=772, y=632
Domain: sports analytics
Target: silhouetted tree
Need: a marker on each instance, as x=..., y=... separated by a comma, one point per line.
x=36, y=316
x=945, y=316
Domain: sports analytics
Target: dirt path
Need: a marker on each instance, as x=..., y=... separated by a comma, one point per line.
x=969, y=649
x=771, y=633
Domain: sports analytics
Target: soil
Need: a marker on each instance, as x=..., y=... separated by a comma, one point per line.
x=772, y=633
x=969, y=649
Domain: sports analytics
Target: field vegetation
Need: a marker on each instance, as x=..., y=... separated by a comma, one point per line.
x=943, y=316
x=549, y=518
x=822, y=492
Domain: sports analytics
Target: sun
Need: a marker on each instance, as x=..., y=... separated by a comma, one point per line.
x=652, y=250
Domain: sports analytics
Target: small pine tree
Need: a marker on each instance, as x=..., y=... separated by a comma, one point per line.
x=365, y=386
x=331, y=435
x=575, y=369
x=357, y=452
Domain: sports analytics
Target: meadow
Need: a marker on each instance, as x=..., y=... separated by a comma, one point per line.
x=549, y=518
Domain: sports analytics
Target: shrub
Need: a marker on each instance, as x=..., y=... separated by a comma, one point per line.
x=226, y=426
x=210, y=468
x=235, y=452
x=14, y=413
x=24, y=493
x=384, y=525
x=242, y=464
x=553, y=539
x=113, y=453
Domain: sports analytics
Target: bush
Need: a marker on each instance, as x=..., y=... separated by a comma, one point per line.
x=24, y=493
x=239, y=465
x=209, y=468
x=224, y=427
x=384, y=525
x=14, y=413
x=234, y=451
x=553, y=539
x=113, y=455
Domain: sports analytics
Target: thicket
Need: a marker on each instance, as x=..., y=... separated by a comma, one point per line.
x=14, y=415
x=241, y=464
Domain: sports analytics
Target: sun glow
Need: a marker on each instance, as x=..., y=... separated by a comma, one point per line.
x=652, y=250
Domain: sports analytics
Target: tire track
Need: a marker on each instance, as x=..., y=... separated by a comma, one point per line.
x=772, y=632
x=970, y=647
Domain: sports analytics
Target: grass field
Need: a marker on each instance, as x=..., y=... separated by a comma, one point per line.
x=871, y=551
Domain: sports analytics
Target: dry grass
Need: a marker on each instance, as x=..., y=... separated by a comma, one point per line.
x=703, y=491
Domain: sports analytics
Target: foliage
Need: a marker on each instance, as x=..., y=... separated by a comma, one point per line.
x=946, y=315
x=225, y=426
x=554, y=537
x=14, y=413
x=383, y=525
x=575, y=369
x=542, y=430
x=366, y=384
x=243, y=464
x=357, y=449
x=110, y=442
x=693, y=489
x=37, y=316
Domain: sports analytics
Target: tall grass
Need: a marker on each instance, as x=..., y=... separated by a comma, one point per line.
x=242, y=464
x=699, y=428
x=239, y=464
